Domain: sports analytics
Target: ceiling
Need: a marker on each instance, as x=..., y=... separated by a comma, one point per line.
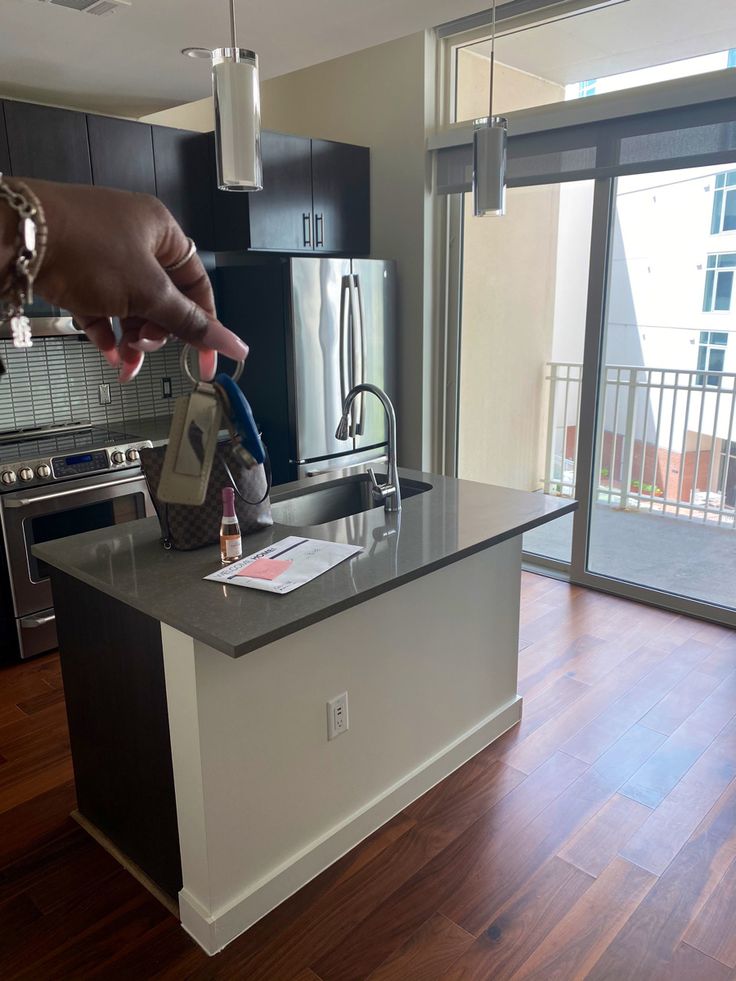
x=129, y=62
x=636, y=34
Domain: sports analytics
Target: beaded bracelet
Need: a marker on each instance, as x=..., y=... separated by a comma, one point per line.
x=17, y=290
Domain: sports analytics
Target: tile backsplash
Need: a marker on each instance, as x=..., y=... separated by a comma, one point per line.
x=57, y=381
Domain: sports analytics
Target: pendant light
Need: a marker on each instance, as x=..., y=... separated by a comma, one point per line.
x=237, y=98
x=489, y=151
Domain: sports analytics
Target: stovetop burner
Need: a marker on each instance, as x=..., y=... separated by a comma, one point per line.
x=30, y=444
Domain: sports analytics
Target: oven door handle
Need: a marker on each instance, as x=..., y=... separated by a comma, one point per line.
x=31, y=622
x=24, y=502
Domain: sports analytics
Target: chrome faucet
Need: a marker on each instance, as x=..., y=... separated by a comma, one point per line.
x=390, y=492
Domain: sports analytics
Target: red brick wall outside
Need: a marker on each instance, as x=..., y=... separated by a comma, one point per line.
x=654, y=468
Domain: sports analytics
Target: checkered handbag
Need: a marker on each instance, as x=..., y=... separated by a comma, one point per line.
x=184, y=527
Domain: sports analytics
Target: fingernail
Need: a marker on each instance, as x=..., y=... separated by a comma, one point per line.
x=129, y=371
x=112, y=357
x=146, y=345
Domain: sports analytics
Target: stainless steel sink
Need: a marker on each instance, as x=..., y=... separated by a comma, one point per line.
x=337, y=499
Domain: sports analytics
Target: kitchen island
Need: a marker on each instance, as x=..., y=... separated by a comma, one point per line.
x=198, y=711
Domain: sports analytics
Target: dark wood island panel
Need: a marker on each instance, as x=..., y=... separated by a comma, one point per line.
x=112, y=667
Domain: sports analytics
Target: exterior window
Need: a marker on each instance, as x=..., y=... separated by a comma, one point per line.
x=711, y=356
x=719, y=281
x=724, y=204
x=732, y=58
x=586, y=88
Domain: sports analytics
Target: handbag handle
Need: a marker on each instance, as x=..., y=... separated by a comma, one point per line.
x=269, y=479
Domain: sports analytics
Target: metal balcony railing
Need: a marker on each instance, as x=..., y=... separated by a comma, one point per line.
x=665, y=440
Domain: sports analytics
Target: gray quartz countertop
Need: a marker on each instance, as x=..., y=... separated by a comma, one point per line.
x=454, y=519
x=157, y=430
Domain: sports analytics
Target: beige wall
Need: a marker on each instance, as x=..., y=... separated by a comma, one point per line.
x=380, y=98
x=508, y=304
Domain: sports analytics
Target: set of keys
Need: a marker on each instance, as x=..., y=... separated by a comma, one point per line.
x=195, y=433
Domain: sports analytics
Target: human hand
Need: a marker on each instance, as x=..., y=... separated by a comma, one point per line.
x=106, y=256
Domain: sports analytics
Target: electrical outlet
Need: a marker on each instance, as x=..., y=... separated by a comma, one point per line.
x=337, y=716
x=103, y=394
x=166, y=388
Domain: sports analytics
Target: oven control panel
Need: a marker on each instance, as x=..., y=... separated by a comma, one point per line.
x=80, y=464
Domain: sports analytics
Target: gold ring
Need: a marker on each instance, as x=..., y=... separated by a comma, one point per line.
x=192, y=250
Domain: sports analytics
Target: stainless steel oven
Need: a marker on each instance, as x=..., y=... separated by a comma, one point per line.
x=32, y=515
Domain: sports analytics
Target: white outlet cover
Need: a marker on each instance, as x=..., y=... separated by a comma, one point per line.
x=337, y=716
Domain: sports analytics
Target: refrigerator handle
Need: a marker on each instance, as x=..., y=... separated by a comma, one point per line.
x=361, y=328
x=345, y=383
x=357, y=359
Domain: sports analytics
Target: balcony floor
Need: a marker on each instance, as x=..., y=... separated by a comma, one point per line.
x=676, y=555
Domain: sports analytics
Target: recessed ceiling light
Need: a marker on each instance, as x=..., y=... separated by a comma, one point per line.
x=197, y=52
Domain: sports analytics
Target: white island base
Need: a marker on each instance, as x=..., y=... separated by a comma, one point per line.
x=264, y=801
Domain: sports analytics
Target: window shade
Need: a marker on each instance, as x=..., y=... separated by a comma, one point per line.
x=671, y=139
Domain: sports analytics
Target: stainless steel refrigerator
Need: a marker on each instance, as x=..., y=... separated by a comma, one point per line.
x=316, y=327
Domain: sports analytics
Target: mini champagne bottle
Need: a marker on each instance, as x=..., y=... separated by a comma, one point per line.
x=231, y=543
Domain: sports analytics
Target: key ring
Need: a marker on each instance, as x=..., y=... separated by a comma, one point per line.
x=184, y=361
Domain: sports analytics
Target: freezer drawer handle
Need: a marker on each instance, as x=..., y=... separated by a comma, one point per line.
x=30, y=623
x=307, y=229
x=24, y=502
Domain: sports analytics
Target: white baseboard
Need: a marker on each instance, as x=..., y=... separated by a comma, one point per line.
x=213, y=932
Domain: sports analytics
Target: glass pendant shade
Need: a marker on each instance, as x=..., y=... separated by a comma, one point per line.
x=237, y=99
x=489, y=166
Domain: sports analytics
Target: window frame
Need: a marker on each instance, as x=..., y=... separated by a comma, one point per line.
x=706, y=349
x=714, y=270
x=725, y=188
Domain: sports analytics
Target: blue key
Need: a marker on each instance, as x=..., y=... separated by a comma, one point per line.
x=241, y=417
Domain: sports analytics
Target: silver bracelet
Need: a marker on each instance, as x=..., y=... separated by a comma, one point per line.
x=17, y=291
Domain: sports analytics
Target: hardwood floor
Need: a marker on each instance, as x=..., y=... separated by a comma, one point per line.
x=597, y=839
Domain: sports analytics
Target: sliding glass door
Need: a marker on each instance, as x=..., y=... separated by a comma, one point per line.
x=662, y=497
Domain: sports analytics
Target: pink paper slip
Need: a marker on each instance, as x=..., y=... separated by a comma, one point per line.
x=265, y=568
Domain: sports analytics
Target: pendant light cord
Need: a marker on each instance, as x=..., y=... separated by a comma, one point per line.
x=493, y=59
x=232, y=22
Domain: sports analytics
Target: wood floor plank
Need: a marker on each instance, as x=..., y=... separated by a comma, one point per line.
x=652, y=934
x=597, y=843
x=522, y=924
x=671, y=711
x=391, y=923
x=596, y=737
x=527, y=753
x=667, y=766
x=713, y=931
x=53, y=696
x=669, y=826
x=426, y=954
x=689, y=964
x=584, y=933
x=499, y=869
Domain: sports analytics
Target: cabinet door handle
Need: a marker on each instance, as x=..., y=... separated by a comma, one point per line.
x=307, y=228
x=319, y=230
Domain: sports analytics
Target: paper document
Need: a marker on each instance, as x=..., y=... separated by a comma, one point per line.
x=307, y=558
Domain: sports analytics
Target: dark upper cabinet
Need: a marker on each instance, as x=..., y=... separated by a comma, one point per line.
x=122, y=154
x=281, y=213
x=185, y=179
x=4, y=154
x=341, y=193
x=315, y=198
x=49, y=144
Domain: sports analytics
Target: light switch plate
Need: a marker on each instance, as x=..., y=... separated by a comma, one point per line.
x=103, y=394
